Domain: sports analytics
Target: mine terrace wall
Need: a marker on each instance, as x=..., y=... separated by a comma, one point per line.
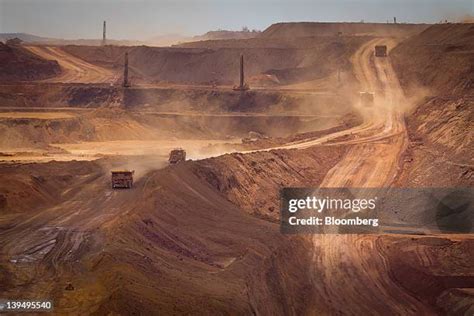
x=165, y=99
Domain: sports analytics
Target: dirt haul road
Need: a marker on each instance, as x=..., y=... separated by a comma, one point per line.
x=74, y=70
x=383, y=124
x=373, y=160
x=351, y=270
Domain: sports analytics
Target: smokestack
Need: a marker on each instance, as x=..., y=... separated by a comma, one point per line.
x=103, y=34
x=241, y=71
x=125, y=72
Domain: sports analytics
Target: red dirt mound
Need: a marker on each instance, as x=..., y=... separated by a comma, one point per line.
x=17, y=64
x=441, y=58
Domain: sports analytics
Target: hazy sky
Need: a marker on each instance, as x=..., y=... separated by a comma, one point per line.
x=142, y=19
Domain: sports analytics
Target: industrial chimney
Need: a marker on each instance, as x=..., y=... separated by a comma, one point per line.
x=103, y=34
x=126, y=83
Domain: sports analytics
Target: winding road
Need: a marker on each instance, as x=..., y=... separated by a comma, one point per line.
x=373, y=159
x=351, y=270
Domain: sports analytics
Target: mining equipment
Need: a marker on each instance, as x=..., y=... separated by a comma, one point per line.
x=126, y=83
x=104, y=37
x=366, y=99
x=177, y=155
x=242, y=85
x=122, y=179
x=381, y=51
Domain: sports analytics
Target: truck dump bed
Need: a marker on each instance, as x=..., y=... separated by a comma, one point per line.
x=381, y=51
x=177, y=155
x=122, y=179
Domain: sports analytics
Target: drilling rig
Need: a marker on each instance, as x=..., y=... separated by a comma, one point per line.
x=242, y=85
x=126, y=83
x=104, y=40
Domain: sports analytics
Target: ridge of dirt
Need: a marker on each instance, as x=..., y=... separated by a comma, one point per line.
x=253, y=181
x=316, y=42
x=17, y=64
x=440, y=60
x=304, y=29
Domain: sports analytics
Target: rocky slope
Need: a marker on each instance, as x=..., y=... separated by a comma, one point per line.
x=436, y=68
x=253, y=181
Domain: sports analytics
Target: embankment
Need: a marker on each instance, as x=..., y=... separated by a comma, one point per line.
x=435, y=67
x=17, y=64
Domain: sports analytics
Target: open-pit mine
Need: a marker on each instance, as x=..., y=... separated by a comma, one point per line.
x=146, y=180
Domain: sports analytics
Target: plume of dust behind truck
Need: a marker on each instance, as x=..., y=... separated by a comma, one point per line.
x=366, y=99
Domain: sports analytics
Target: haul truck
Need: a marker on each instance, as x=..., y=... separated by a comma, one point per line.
x=381, y=51
x=122, y=179
x=177, y=155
